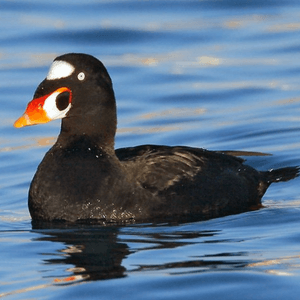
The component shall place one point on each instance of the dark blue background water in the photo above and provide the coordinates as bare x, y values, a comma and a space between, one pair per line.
223, 75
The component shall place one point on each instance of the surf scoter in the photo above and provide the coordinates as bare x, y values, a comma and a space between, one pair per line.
82, 177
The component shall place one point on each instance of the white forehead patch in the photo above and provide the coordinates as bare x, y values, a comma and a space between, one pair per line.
60, 69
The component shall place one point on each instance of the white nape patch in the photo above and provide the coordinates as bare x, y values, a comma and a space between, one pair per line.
60, 69
51, 110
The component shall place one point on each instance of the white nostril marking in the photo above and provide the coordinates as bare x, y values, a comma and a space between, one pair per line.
51, 109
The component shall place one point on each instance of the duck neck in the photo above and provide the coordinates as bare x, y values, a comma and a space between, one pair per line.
90, 130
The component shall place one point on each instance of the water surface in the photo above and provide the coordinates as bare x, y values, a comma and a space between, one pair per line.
222, 75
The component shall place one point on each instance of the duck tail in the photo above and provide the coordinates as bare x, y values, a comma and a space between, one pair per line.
282, 174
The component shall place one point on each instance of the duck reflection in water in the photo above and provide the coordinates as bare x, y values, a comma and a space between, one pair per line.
97, 253
94, 252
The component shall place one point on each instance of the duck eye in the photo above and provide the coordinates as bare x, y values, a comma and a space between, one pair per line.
62, 101
81, 76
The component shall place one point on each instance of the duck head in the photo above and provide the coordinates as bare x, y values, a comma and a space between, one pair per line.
78, 90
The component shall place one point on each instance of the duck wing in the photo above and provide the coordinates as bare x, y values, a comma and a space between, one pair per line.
157, 168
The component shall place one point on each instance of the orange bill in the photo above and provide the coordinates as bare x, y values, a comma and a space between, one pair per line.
34, 113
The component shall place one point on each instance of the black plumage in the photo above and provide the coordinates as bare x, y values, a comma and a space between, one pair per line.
82, 177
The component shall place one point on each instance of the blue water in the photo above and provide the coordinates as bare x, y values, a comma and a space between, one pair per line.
223, 75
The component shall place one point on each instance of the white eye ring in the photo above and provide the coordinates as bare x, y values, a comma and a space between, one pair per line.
81, 76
